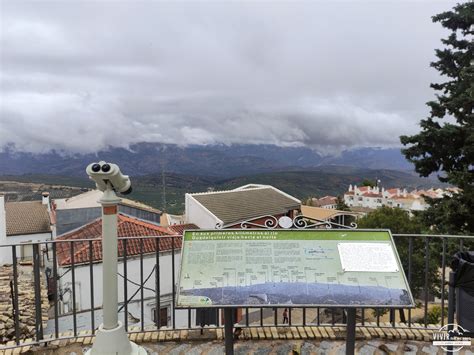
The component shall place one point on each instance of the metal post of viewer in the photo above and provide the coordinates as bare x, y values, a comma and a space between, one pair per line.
111, 337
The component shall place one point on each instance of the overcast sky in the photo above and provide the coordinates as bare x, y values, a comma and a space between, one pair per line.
83, 75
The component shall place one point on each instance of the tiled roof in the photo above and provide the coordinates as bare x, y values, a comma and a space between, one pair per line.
324, 214
180, 228
127, 227
362, 209
324, 201
239, 205
90, 199
30, 217
371, 194
139, 205
26, 302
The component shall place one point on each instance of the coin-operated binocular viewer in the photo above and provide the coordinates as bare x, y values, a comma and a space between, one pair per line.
111, 337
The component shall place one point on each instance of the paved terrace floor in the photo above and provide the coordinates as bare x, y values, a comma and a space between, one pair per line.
258, 341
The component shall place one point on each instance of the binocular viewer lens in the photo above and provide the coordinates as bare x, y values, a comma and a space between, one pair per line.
96, 168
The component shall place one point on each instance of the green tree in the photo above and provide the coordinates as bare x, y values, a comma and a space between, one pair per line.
395, 219
445, 144
368, 182
400, 222
308, 202
341, 205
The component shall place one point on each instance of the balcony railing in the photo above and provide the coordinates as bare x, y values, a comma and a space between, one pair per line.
66, 294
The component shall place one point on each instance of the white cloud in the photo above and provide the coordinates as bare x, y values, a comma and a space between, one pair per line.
85, 75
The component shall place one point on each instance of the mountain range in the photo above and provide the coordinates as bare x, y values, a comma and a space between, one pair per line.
224, 161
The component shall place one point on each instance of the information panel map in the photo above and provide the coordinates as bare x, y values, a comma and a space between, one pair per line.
291, 267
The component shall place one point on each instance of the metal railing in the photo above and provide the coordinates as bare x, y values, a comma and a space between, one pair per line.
148, 275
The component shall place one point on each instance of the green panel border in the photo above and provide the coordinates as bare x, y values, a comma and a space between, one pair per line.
369, 235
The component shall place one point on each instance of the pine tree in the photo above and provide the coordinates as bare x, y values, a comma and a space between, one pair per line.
445, 144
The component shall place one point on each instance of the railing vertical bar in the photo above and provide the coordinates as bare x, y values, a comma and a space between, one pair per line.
443, 281
410, 256
261, 317
318, 316
73, 280
189, 317
426, 293
304, 316
377, 310
289, 316
157, 284
142, 286
37, 286
15, 296
173, 282
247, 316
55, 283
362, 311
91, 283
275, 316
125, 284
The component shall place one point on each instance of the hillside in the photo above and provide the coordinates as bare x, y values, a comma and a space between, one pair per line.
328, 180
320, 181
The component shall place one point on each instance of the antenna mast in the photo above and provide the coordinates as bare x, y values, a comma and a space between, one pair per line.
163, 182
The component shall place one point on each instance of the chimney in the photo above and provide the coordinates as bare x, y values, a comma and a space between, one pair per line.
45, 200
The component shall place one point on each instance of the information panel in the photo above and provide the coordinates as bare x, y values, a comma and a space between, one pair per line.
291, 267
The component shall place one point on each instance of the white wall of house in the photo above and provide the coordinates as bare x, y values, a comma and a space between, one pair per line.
199, 215
5, 255
23, 252
419, 205
26, 251
83, 287
356, 198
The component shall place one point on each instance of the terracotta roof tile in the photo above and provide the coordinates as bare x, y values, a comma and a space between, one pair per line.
324, 201
371, 194
127, 227
180, 228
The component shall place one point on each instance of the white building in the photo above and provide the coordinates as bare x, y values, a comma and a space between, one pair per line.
229, 208
328, 202
128, 227
365, 196
24, 222
375, 197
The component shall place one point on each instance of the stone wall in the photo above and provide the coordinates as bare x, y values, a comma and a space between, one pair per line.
26, 302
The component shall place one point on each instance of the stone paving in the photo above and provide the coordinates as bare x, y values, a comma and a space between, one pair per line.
254, 340
274, 347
